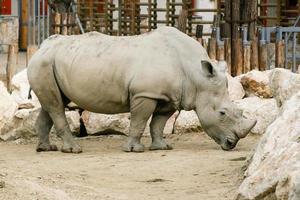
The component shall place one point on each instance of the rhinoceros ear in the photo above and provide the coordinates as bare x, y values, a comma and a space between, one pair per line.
207, 68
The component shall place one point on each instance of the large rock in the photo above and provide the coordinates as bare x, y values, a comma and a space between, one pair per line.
284, 84
20, 91
22, 125
274, 172
105, 124
256, 83
186, 122
97, 124
235, 88
264, 111
8, 107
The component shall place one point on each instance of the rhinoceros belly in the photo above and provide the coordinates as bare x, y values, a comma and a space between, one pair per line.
93, 84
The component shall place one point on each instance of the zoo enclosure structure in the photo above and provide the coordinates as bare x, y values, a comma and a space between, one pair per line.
234, 36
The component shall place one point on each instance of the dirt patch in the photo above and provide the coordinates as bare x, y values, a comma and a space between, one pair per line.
196, 169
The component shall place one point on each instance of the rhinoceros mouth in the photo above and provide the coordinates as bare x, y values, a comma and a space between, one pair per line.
228, 144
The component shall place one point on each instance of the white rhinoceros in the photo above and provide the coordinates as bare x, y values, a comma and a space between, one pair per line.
154, 74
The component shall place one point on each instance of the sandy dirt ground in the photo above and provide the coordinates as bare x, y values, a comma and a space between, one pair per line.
197, 169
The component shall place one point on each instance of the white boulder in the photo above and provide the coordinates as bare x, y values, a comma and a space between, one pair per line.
235, 88
20, 91
103, 124
264, 111
8, 107
256, 83
284, 84
186, 122
274, 172
21, 125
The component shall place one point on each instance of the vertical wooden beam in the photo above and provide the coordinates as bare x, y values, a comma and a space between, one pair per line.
279, 54
11, 65
57, 23
246, 58
24, 24
236, 52
228, 18
263, 57
250, 13
71, 21
227, 47
64, 23
278, 13
212, 43
220, 53
199, 33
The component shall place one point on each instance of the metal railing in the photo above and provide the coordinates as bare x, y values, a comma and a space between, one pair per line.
290, 43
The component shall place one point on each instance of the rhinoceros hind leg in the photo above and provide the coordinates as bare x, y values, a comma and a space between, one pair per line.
44, 85
43, 125
141, 109
157, 125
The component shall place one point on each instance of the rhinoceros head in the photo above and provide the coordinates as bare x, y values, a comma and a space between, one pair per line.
218, 115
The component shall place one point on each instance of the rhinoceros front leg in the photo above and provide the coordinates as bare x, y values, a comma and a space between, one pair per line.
43, 125
157, 126
141, 109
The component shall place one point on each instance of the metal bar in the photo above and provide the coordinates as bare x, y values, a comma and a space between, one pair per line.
34, 23
43, 28
120, 17
77, 18
39, 24
48, 21
286, 44
220, 42
294, 52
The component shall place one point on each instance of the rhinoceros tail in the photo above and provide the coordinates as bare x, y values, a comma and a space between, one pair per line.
29, 93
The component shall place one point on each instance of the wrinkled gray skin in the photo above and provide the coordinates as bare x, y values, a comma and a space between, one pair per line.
152, 74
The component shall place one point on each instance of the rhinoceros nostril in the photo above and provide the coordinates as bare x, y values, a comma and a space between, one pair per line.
229, 143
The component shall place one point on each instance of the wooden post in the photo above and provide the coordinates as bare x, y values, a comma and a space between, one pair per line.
204, 43
71, 21
182, 19
236, 59
11, 65
238, 56
199, 33
220, 53
64, 22
24, 24
279, 54
263, 57
227, 46
250, 13
246, 58
212, 43
254, 53
228, 18
31, 49
57, 23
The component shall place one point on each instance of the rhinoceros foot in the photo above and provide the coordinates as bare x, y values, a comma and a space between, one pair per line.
160, 145
46, 147
133, 146
74, 148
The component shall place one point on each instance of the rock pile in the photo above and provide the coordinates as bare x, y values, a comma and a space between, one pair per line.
274, 170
